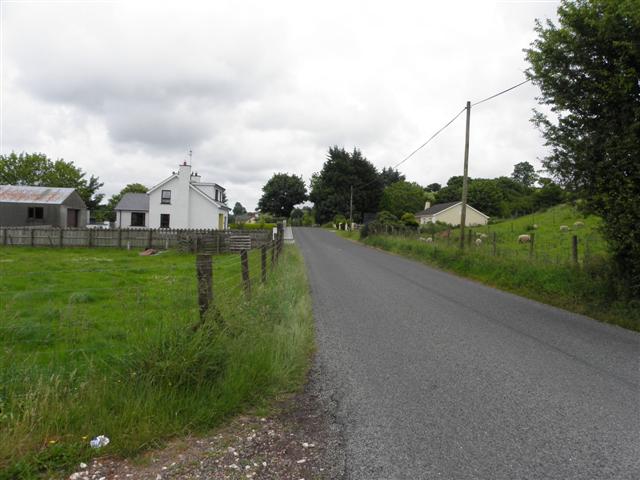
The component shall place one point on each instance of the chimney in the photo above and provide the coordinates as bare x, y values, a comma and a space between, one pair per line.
427, 205
195, 177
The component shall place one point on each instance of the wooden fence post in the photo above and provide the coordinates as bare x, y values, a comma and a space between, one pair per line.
263, 262
531, 245
574, 249
273, 253
90, 241
246, 282
61, 238
204, 273
4, 236
119, 238
150, 240
32, 232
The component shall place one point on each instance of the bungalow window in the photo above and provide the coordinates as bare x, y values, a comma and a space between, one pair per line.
166, 197
217, 192
35, 213
164, 220
137, 219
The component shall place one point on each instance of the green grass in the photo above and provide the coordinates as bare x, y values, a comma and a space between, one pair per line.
100, 342
545, 273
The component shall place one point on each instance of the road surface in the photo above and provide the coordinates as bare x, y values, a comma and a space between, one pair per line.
435, 376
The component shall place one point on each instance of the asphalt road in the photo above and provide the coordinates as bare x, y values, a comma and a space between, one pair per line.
433, 376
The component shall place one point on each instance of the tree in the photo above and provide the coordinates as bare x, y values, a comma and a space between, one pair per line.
525, 174
390, 175
433, 187
587, 68
402, 197
281, 193
109, 211
38, 170
238, 209
331, 187
223, 198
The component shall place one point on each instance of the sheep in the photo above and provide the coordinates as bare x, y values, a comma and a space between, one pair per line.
429, 239
524, 238
578, 224
535, 226
478, 242
484, 235
564, 228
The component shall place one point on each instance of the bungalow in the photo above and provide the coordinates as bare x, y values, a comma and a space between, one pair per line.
22, 205
132, 211
451, 213
183, 201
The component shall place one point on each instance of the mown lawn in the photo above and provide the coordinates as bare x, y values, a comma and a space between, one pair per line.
100, 341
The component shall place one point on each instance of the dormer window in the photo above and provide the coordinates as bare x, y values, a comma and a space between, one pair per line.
217, 194
166, 197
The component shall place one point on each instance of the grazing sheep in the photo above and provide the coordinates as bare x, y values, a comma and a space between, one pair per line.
535, 226
564, 228
578, 224
429, 239
484, 235
478, 242
524, 238
422, 239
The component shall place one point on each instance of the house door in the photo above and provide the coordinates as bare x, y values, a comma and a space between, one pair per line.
72, 218
220, 221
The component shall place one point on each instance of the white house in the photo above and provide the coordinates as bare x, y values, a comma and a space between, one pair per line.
451, 213
132, 211
184, 201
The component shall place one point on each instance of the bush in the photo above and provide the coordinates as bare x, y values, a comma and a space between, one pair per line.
252, 226
409, 219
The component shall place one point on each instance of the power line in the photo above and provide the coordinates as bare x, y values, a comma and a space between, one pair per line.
500, 93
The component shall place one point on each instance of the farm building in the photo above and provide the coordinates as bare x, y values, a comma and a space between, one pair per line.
450, 213
132, 211
22, 205
184, 201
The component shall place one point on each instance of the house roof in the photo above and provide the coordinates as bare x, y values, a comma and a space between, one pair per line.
441, 207
134, 201
437, 208
208, 197
29, 194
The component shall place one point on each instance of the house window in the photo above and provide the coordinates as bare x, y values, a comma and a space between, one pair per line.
217, 193
166, 197
164, 220
137, 219
35, 213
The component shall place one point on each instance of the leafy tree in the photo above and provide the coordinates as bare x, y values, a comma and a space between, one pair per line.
587, 68
238, 209
433, 187
109, 212
223, 199
281, 193
389, 175
525, 174
409, 220
549, 194
331, 187
402, 197
38, 170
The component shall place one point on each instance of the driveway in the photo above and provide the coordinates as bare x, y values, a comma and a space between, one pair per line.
429, 375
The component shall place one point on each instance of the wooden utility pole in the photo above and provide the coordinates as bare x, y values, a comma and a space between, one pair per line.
351, 208
465, 178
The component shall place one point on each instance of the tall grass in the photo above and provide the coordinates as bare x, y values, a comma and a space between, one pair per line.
592, 290
153, 377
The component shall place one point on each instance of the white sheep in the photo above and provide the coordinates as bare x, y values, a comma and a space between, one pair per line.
478, 242
429, 239
578, 224
564, 228
524, 238
484, 235
535, 226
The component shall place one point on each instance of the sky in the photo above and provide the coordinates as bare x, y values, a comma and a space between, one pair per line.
125, 89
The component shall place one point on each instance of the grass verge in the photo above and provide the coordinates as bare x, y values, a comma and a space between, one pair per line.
590, 290
106, 348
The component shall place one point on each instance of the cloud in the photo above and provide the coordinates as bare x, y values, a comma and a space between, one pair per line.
126, 88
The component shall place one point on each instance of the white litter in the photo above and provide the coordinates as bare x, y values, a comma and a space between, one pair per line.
99, 441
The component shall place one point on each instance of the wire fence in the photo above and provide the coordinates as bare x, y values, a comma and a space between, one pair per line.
579, 248
70, 313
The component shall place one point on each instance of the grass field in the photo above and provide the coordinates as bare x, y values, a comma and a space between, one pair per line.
99, 341
546, 274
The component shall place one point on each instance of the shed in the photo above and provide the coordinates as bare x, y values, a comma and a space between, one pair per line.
451, 213
23, 205
132, 211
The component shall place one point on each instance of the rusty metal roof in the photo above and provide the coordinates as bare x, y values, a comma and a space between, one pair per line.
28, 194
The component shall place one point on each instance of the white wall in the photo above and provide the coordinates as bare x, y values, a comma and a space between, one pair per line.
123, 219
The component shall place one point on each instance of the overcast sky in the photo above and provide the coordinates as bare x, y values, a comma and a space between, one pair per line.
125, 89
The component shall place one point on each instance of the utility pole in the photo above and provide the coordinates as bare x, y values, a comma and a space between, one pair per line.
465, 179
351, 209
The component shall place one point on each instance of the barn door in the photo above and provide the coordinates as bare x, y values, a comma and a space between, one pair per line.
72, 218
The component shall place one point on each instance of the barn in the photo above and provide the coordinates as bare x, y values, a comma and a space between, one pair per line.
27, 206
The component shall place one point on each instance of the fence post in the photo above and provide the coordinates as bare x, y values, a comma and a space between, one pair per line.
273, 252
574, 249
4, 236
204, 273
150, 238
32, 232
494, 244
119, 238
246, 282
90, 241
263, 262
531, 247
